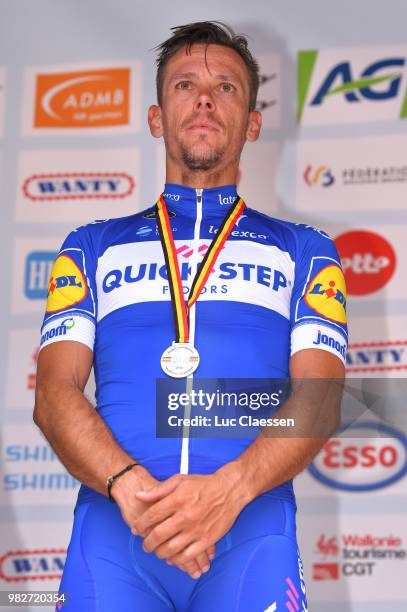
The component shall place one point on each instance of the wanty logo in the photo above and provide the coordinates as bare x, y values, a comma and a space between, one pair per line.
376, 357
322, 176
93, 98
363, 462
42, 564
368, 261
325, 76
78, 186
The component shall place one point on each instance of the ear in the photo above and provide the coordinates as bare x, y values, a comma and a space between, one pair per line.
253, 126
155, 121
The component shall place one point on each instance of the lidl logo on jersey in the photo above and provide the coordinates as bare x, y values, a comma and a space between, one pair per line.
67, 285
38, 266
352, 85
324, 295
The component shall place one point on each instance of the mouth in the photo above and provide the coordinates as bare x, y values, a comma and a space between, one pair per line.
205, 127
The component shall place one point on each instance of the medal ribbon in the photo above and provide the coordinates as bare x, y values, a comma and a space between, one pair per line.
180, 306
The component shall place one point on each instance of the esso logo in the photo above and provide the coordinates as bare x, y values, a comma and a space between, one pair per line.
362, 463
368, 261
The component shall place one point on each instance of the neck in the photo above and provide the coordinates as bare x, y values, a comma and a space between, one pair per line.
201, 179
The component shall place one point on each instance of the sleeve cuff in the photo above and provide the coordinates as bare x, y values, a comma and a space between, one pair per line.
76, 328
316, 335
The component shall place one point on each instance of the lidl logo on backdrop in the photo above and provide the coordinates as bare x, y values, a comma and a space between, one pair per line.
352, 85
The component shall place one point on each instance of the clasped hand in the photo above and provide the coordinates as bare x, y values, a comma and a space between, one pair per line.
186, 515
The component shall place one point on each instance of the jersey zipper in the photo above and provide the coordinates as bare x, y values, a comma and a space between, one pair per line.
184, 464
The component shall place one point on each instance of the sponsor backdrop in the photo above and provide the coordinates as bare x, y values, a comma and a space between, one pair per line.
74, 147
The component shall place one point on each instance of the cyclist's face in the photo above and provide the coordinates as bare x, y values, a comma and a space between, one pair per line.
205, 116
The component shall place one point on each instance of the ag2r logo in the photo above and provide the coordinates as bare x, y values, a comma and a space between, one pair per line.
336, 85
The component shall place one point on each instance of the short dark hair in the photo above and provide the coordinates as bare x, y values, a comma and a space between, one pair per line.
207, 33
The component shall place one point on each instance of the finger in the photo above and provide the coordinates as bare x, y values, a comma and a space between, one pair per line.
163, 534
195, 567
158, 491
190, 552
211, 552
202, 561
154, 516
192, 567
173, 546
200, 565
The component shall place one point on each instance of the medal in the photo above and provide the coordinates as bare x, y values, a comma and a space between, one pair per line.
181, 358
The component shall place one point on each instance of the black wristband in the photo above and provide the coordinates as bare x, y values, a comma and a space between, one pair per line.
111, 480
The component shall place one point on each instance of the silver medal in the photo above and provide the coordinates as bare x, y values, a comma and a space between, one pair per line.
180, 359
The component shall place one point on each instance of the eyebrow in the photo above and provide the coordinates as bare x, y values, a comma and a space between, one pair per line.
189, 75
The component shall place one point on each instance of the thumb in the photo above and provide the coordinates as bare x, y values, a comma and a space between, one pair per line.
159, 491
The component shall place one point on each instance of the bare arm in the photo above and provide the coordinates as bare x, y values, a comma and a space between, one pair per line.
271, 461
77, 433
82, 440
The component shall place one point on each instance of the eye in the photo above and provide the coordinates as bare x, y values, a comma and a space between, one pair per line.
227, 87
183, 85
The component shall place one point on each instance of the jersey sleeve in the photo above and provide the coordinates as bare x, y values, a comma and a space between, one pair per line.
70, 312
318, 306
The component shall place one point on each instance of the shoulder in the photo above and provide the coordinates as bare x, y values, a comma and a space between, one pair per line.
97, 236
296, 237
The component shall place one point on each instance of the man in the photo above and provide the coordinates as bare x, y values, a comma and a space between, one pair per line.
257, 307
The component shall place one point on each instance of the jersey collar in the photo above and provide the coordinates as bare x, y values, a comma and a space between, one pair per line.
184, 199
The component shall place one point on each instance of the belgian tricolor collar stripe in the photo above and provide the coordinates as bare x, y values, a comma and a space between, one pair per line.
180, 307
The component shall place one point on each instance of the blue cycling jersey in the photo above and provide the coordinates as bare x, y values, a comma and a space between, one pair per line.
276, 288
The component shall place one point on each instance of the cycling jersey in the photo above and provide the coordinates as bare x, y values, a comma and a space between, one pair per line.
276, 288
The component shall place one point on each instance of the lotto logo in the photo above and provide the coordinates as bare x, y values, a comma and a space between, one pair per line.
368, 261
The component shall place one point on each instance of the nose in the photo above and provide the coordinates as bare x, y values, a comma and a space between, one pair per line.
204, 101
